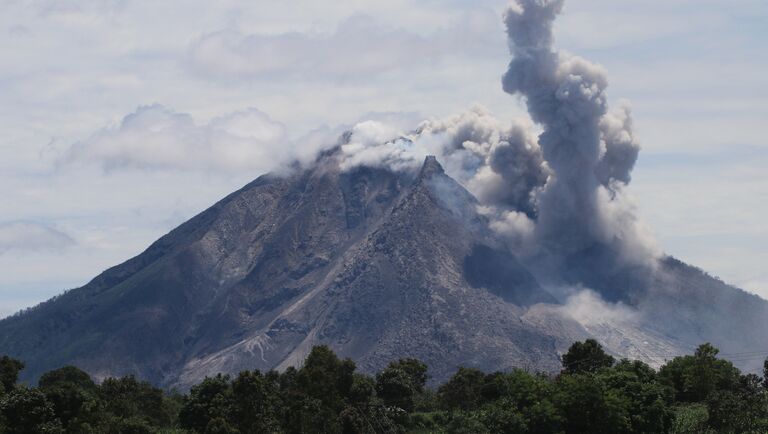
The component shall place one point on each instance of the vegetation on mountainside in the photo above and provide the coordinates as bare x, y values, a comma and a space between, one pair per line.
593, 394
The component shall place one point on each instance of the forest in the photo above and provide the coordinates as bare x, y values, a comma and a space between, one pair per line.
593, 393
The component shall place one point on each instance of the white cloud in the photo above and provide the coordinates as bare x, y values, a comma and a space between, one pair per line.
156, 137
357, 50
70, 68
758, 285
31, 236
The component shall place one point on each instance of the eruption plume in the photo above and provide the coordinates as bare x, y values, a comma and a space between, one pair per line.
590, 151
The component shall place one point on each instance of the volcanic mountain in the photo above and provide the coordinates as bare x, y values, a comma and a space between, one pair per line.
378, 264
524, 243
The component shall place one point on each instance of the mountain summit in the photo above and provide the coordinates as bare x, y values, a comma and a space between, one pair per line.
375, 263
525, 242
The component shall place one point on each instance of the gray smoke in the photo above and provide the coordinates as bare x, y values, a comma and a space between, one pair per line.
520, 164
590, 151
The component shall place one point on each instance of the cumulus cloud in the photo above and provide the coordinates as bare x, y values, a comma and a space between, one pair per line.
156, 137
31, 236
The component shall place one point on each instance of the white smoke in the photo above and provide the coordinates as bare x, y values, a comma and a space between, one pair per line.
500, 164
589, 309
557, 193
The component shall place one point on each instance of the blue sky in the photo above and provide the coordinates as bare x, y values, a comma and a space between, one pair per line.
236, 86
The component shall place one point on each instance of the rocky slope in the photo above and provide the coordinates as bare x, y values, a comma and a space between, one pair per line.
378, 265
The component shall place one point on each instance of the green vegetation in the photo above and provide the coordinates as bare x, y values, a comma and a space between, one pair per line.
593, 394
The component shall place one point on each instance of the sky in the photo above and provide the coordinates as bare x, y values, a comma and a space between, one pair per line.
120, 119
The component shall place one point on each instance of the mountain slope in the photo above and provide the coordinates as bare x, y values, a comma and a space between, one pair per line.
377, 264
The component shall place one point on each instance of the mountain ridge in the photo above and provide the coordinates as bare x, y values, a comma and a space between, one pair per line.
377, 264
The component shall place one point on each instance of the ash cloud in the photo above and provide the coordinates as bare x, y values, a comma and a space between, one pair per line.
553, 186
590, 151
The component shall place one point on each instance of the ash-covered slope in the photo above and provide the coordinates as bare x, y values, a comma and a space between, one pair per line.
379, 264
403, 290
375, 263
379, 259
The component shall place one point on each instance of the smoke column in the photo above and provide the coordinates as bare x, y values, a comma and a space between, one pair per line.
590, 151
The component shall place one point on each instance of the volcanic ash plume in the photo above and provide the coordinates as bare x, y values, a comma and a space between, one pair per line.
590, 150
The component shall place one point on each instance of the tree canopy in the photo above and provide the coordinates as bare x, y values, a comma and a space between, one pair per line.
594, 393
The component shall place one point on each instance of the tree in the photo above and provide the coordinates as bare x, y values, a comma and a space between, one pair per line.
647, 402
416, 371
503, 416
362, 390
324, 376
26, 410
694, 377
9, 372
210, 399
319, 392
691, 419
530, 395
463, 390
131, 425
765, 374
220, 425
128, 398
587, 356
399, 383
74, 397
257, 404
395, 387
743, 410
589, 407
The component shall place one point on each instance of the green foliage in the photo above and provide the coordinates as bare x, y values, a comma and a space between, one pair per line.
324, 376
416, 371
401, 383
129, 399
694, 377
593, 394
691, 419
319, 392
74, 397
589, 406
587, 356
209, 400
503, 416
362, 390
257, 404
9, 372
219, 425
645, 401
395, 387
463, 390
27, 411
741, 410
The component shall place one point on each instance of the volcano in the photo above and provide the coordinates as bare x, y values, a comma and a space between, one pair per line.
377, 264
460, 243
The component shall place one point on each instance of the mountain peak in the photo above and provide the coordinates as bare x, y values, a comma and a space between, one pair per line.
431, 167
373, 263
